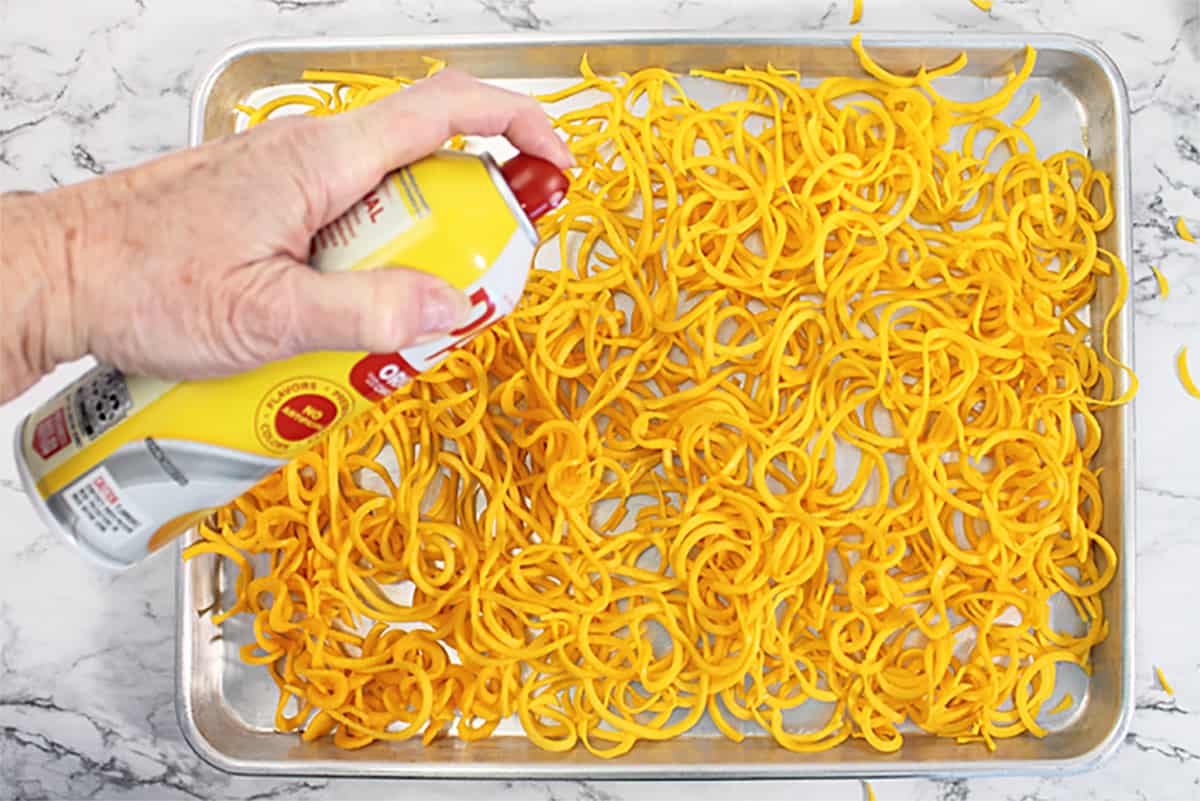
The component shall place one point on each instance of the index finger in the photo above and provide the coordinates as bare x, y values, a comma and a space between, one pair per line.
361, 146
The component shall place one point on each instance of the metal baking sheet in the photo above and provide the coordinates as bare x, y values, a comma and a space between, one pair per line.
226, 708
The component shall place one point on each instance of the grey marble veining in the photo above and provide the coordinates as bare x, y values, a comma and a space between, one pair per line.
86, 685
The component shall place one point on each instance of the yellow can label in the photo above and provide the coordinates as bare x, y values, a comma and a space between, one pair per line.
121, 463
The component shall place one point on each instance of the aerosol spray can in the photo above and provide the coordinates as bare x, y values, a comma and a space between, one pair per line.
122, 464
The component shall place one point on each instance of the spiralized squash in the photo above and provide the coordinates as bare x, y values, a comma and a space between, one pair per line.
806, 417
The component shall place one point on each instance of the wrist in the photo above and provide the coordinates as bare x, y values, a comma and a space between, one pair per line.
40, 238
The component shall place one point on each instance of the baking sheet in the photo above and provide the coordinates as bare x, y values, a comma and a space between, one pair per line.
226, 708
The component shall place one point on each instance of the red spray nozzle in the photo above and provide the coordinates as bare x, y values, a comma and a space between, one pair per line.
537, 184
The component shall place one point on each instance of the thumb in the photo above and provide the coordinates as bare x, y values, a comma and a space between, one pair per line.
378, 310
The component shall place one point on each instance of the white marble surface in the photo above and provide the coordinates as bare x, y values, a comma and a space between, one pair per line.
86, 686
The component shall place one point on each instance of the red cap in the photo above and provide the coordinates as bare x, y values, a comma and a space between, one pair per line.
538, 185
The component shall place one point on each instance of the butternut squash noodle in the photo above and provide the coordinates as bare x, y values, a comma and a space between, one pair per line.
1164, 288
1182, 229
806, 417
1162, 681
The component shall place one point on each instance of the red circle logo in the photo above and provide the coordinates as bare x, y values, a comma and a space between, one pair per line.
302, 416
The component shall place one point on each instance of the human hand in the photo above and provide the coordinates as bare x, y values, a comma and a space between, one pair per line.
193, 266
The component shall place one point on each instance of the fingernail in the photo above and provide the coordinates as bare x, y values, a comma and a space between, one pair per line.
444, 308
565, 159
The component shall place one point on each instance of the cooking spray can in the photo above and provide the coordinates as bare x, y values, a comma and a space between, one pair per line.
121, 465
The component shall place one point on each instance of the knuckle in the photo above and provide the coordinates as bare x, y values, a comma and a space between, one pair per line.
296, 146
451, 79
283, 315
262, 320
285, 136
393, 322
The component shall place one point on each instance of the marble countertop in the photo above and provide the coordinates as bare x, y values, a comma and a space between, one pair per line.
86, 660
